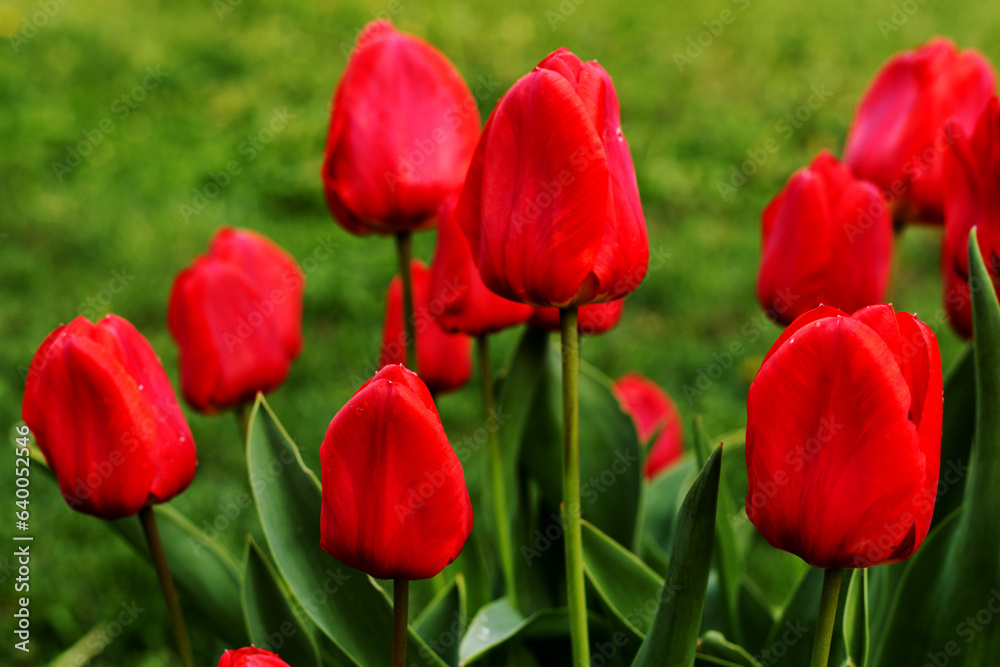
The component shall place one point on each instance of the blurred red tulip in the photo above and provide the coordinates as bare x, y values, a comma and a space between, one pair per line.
251, 657
827, 239
654, 413
395, 504
844, 437
402, 131
444, 359
591, 320
550, 206
107, 420
972, 199
463, 304
236, 315
898, 135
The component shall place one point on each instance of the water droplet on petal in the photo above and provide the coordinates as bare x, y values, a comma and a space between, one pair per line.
140, 387
791, 340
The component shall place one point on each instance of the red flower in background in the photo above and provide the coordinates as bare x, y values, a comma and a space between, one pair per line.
251, 657
466, 305
592, 320
402, 131
654, 413
236, 316
444, 359
827, 239
395, 504
972, 199
898, 137
107, 420
550, 206
844, 437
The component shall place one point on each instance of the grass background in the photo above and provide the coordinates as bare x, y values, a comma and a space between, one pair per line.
230, 64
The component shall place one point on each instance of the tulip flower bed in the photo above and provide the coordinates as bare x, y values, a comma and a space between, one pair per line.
502, 454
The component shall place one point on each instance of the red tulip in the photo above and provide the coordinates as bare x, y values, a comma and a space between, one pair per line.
591, 320
899, 135
460, 302
550, 206
972, 199
844, 437
251, 657
107, 420
654, 413
827, 239
402, 131
236, 315
444, 359
395, 504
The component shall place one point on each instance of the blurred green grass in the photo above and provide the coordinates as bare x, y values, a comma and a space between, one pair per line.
227, 71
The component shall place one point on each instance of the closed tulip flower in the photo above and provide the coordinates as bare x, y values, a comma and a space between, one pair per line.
236, 315
444, 359
402, 131
107, 420
827, 239
654, 414
550, 206
251, 657
843, 438
972, 199
898, 137
464, 303
395, 504
592, 320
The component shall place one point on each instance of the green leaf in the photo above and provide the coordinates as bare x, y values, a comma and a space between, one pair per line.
610, 469
673, 636
727, 559
499, 622
663, 498
955, 576
442, 622
715, 649
856, 638
629, 588
957, 433
271, 622
289, 500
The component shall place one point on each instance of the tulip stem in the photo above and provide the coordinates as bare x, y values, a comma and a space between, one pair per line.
827, 615
148, 520
576, 593
400, 603
496, 473
404, 247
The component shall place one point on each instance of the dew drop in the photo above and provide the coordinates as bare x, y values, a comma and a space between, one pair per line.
140, 387
791, 340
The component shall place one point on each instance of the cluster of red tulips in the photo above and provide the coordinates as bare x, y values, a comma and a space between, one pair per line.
539, 222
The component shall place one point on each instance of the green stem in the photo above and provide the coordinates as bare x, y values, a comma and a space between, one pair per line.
148, 520
404, 247
827, 616
243, 421
400, 603
576, 593
496, 473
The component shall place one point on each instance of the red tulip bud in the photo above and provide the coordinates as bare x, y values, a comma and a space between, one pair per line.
972, 199
844, 437
236, 315
550, 206
443, 359
654, 413
899, 137
402, 131
251, 657
466, 304
395, 504
827, 239
592, 320
107, 420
